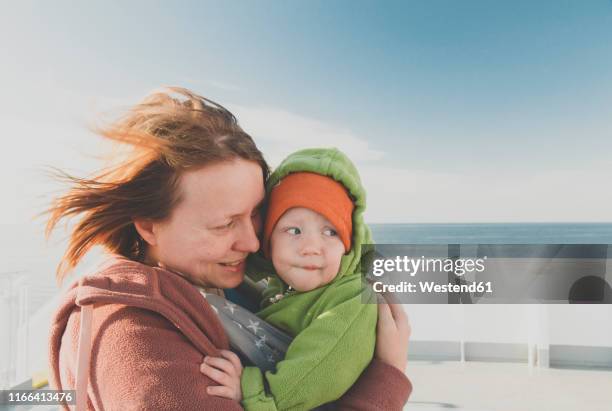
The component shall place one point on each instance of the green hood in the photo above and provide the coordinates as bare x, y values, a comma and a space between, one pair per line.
333, 163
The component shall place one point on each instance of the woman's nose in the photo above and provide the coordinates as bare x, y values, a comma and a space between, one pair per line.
247, 240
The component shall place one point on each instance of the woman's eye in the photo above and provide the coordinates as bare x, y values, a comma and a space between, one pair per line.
330, 232
224, 226
294, 231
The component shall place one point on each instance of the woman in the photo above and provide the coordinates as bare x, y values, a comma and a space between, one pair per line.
181, 212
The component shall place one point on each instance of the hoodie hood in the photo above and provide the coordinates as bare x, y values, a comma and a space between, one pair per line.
333, 163
134, 284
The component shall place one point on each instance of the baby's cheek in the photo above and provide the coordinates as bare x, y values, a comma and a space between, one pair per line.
280, 265
331, 275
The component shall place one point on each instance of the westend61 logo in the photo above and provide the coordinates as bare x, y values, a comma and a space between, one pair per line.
411, 266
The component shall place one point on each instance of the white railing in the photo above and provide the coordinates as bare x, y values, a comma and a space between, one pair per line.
14, 319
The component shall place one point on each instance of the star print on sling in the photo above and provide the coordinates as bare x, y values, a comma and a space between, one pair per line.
230, 307
259, 343
254, 325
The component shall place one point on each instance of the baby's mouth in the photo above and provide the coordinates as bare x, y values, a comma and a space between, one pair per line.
310, 267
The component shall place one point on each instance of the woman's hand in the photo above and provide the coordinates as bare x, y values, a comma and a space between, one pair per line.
392, 334
225, 370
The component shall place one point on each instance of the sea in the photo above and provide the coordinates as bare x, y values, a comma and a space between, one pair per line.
493, 233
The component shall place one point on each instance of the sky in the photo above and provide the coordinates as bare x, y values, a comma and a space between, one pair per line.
453, 111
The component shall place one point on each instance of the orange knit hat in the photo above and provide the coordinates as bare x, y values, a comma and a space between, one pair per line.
319, 193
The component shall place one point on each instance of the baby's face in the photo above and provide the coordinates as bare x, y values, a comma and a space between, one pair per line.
305, 248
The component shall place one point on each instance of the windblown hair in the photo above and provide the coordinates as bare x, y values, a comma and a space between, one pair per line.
168, 132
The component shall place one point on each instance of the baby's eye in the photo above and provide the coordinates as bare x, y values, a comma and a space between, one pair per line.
294, 231
330, 232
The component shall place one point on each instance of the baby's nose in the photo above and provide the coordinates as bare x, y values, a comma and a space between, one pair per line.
311, 245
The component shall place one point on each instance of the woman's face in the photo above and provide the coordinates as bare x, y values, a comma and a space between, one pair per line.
214, 226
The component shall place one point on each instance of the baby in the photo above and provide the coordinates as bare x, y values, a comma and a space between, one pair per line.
318, 330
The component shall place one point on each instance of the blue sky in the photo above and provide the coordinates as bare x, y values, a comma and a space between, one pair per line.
500, 109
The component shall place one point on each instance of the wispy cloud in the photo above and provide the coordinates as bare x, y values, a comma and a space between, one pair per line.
400, 194
396, 193
280, 132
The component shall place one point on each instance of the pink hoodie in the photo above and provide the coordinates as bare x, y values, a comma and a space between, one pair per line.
134, 337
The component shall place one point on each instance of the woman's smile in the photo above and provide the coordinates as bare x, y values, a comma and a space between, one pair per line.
237, 266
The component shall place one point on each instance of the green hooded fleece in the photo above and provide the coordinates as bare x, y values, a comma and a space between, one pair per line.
333, 326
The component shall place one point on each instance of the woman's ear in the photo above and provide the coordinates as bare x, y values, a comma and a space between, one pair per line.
146, 229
